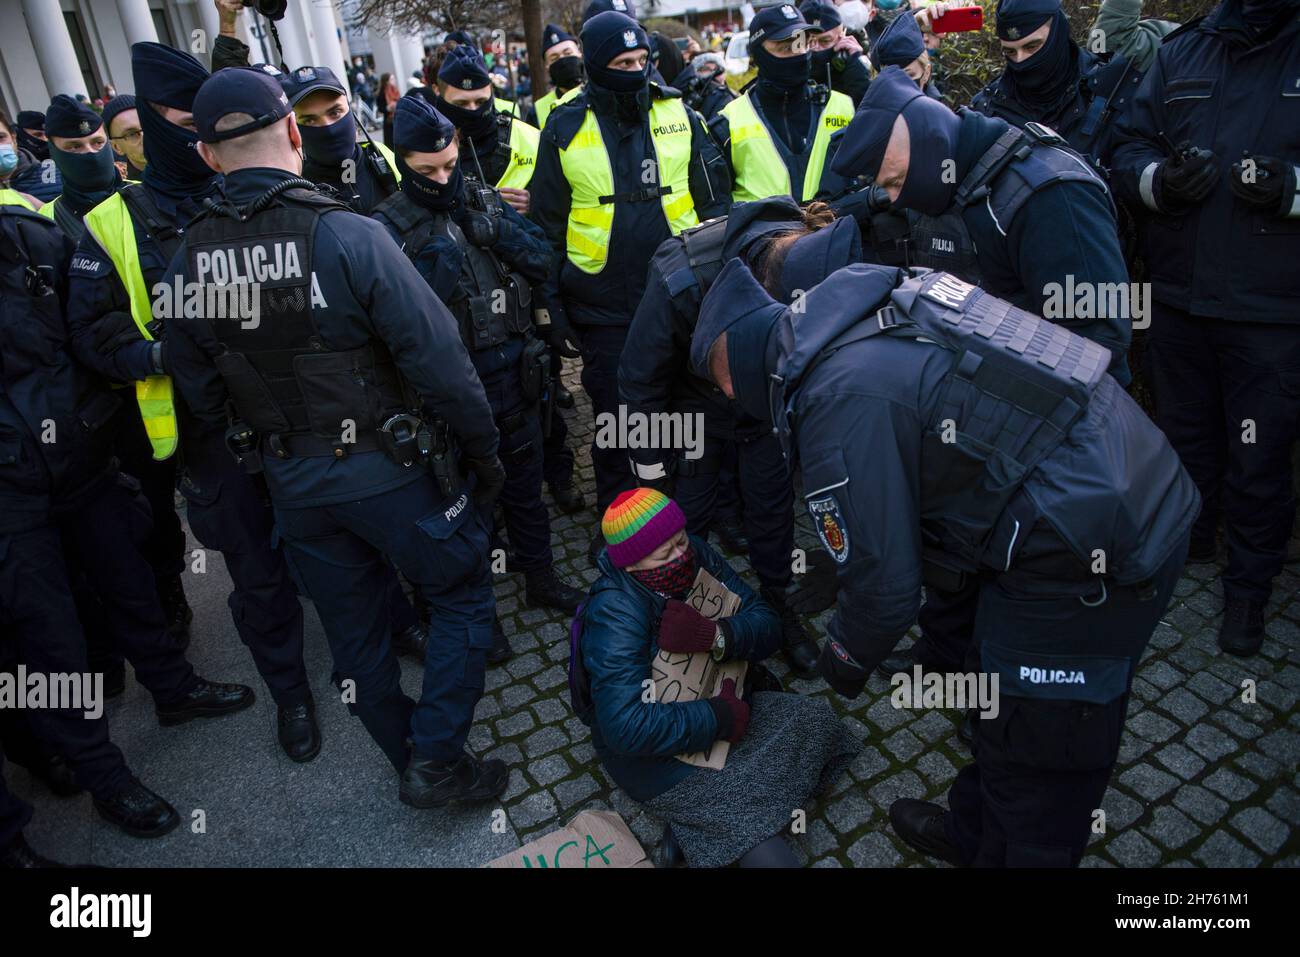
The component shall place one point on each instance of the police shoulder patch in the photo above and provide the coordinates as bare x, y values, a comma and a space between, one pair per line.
831, 527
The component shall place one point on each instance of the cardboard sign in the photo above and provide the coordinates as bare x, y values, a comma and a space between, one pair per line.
692, 677
593, 839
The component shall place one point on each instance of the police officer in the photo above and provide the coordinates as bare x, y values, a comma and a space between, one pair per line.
773, 236
562, 57
79, 148
1210, 161
621, 167
114, 290
836, 56
65, 506
356, 464
994, 444
1049, 79
36, 173
704, 85
777, 134
10, 161
1019, 214
903, 46
477, 254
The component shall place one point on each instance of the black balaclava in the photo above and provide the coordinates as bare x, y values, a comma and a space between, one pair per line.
781, 73
1047, 77
932, 131
88, 178
327, 147
465, 69
566, 73
31, 120
604, 37
170, 78
419, 128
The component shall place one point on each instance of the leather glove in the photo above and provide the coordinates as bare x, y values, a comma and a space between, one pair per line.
1264, 182
559, 335
490, 479
731, 712
682, 629
818, 587
114, 330
1187, 178
480, 228
845, 676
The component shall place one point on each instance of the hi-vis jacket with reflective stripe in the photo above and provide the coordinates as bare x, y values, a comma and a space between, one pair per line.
110, 225
756, 162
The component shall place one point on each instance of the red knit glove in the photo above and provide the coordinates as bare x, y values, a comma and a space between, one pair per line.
683, 629
731, 712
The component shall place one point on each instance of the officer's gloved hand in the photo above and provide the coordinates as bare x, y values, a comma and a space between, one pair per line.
114, 330
557, 333
490, 479
841, 671
1264, 182
1187, 178
479, 228
817, 588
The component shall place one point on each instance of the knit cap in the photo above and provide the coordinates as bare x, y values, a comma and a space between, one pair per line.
638, 522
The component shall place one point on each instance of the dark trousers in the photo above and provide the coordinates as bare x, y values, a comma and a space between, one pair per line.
102, 542
557, 457
527, 521
14, 811
164, 549
40, 621
440, 545
602, 346
1213, 381
228, 513
767, 495
1041, 766
947, 620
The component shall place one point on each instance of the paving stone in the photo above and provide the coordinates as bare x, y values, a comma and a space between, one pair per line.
936, 768
903, 745
1232, 786
550, 711
1212, 689
874, 850
826, 862
1285, 803
1256, 764
819, 839
544, 741
868, 764
509, 753
1183, 705
552, 677
571, 793
1151, 783
487, 707
884, 715
1221, 849
516, 695
524, 665
1180, 760
517, 723
905, 784
516, 785
1211, 743
1282, 746
934, 726
1162, 674
548, 770
1200, 804
849, 812
1238, 726
1261, 828
1121, 810
1170, 828
533, 810
1131, 749
1131, 849
1151, 726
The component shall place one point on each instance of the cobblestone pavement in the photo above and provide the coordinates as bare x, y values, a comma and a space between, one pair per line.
1204, 778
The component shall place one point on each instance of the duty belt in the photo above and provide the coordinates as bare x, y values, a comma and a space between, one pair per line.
294, 445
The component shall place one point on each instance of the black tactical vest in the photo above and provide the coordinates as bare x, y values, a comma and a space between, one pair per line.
491, 303
1016, 386
302, 397
1019, 164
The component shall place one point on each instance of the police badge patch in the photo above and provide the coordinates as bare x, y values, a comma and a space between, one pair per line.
629, 38
831, 527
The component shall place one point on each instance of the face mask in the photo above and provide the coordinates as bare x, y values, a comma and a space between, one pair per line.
933, 131
88, 175
432, 195
855, 15
672, 579
785, 72
174, 163
566, 72
1042, 79
888, 4
330, 145
476, 124
8, 159
38, 148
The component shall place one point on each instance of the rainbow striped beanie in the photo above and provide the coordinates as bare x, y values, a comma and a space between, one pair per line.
638, 522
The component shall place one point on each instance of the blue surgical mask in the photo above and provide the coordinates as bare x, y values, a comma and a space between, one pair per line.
8, 159
888, 4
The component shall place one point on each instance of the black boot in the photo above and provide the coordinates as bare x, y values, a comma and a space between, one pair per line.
175, 607
596, 546
428, 783
568, 499
1202, 551
545, 588
731, 534
19, 854
1242, 631
920, 825
412, 642
966, 730
208, 700
53, 771
138, 811
563, 397
298, 731
800, 650
499, 651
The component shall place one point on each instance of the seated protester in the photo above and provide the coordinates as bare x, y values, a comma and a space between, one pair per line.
787, 748
836, 55
902, 45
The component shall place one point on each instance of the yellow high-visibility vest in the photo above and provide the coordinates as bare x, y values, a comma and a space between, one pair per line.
47, 210
757, 165
587, 167
11, 197
508, 106
550, 101
389, 158
110, 224
523, 155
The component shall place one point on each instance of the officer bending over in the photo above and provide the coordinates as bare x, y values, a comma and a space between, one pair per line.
937, 427
479, 257
339, 390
